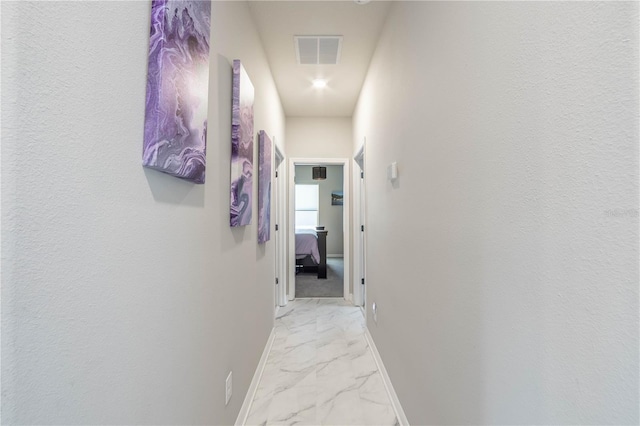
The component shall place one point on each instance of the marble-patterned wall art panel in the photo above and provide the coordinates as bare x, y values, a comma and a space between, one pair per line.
175, 127
241, 147
264, 187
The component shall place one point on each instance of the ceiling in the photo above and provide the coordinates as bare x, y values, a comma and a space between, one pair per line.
360, 25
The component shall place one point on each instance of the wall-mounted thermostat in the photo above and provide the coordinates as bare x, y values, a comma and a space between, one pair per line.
392, 171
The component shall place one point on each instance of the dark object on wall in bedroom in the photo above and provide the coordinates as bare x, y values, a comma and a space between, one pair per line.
319, 173
175, 122
336, 198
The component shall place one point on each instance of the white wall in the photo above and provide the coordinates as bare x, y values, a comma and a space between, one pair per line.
126, 297
329, 216
319, 137
504, 261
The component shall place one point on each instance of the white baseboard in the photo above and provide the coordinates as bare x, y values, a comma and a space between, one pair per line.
335, 255
395, 402
253, 387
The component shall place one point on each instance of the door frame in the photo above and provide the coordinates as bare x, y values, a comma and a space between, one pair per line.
346, 222
280, 179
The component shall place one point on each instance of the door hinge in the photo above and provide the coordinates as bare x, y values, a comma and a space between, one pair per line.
362, 281
362, 228
277, 227
276, 173
361, 175
277, 281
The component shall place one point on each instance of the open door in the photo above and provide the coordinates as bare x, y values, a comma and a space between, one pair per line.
280, 233
359, 284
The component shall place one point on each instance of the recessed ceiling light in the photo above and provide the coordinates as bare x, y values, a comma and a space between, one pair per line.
361, 1
319, 83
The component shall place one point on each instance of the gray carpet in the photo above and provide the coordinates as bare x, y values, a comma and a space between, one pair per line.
308, 284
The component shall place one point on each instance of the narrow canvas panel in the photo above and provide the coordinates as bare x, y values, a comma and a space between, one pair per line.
264, 187
241, 147
175, 127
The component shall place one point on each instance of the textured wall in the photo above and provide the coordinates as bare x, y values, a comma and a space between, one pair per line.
330, 216
504, 261
126, 297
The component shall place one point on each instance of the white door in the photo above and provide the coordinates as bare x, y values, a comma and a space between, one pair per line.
362, 283
276, 198
279, 199
360, 280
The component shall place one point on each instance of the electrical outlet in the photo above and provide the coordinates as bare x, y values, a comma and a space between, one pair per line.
374, 309
228, 387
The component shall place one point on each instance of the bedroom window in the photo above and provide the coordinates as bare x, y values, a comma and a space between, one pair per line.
307, 203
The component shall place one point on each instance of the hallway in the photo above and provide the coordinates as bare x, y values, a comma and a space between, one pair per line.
320, 370
490, 205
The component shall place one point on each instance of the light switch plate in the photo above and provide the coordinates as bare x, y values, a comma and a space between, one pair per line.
392, 171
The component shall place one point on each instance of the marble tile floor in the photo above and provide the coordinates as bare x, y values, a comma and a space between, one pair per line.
320, 370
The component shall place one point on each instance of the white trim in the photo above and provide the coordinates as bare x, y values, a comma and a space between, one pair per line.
346, 218
339, 256
395, 402
253, 387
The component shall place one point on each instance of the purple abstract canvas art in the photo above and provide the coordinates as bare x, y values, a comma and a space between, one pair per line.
241, 147
264, 187
175, 126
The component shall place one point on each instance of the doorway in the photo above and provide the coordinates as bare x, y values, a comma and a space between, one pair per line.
319, 203
319, 230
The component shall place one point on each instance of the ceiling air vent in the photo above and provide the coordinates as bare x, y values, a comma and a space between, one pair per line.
318, 50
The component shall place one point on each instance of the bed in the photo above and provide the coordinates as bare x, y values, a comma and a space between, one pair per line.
311, 251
